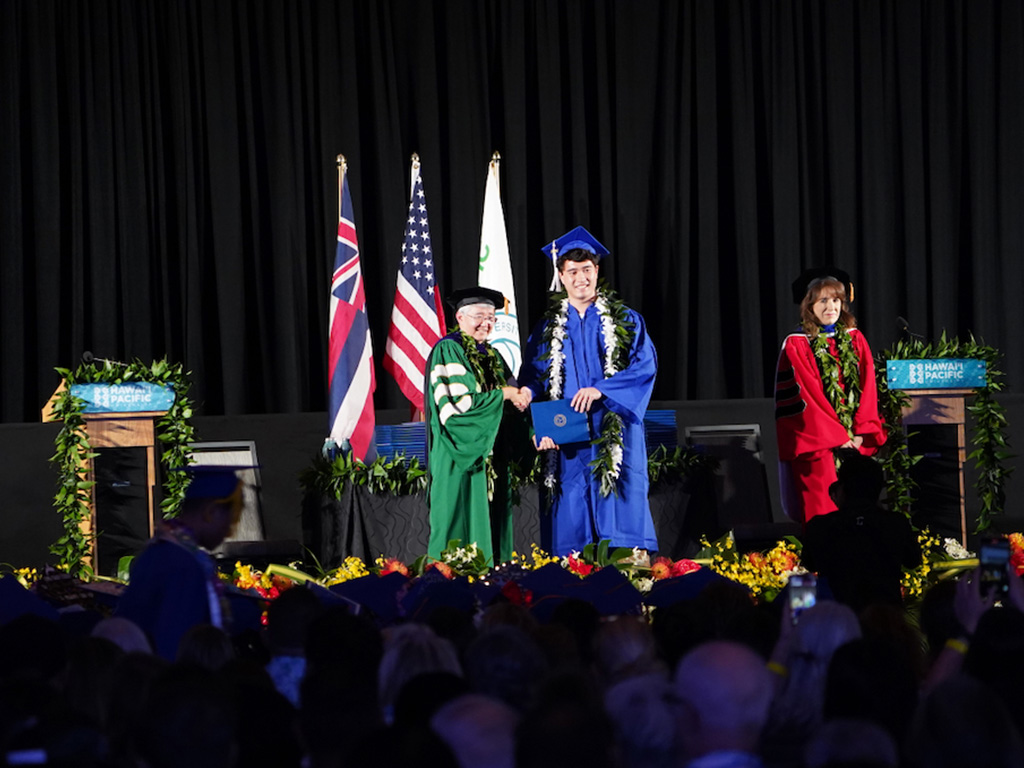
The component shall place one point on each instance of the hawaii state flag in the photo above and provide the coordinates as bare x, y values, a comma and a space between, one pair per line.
350, 360
496, 271
417, 319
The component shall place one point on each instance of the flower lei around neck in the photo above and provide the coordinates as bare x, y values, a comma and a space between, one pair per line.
490, 373
839, 372
486, 362
617, 333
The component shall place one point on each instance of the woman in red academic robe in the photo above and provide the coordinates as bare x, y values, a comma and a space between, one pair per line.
825, 393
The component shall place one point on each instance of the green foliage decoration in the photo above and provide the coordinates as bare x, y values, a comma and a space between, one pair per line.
394, 476
399, 476
73, 454
990, 447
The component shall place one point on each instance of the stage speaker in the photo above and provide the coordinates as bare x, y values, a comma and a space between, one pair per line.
122, 505
937, 474
741, 485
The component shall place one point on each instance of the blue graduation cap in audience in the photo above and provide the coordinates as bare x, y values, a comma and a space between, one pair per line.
212, 481
610, 591
432, 591
17, 601
670, 591
378, 594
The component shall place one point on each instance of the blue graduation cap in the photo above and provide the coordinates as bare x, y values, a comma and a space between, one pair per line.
680, 588
575, 239
212, 481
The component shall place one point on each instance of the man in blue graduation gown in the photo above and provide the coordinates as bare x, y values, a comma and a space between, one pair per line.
593, 351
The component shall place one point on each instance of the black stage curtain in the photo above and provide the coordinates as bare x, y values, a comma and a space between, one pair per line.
168, 182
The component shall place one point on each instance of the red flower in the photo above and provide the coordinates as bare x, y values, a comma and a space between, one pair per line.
281, 583
394, 565
443, 568
1017, 561
661, 568
683, 567
577, 566
516, 594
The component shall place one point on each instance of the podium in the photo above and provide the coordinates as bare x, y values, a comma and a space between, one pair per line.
938, 390
120, 424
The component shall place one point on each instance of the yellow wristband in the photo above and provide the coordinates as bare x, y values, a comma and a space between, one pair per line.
778, 669
957, 645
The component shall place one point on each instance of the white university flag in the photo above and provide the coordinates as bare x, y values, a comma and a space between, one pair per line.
496, 270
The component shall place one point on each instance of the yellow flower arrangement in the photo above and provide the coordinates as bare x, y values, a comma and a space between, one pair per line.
764, 574
916, 581
351, 568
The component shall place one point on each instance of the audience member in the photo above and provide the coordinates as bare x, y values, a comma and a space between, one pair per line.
480, 730
724, 692
174, 583
566, 726
411, 650
421, 696
288, 620
507, 664
624, 648
994, 657
205, 646
188, 722
962, 723
847, 742
872, 679
644, 723
862, 547
801, 662
124, 633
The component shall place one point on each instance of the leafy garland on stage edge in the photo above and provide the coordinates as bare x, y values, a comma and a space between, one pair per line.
73, 455
989, 440
396, 476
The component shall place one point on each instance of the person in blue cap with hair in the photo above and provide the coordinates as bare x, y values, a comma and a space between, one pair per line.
174, 584
594, 351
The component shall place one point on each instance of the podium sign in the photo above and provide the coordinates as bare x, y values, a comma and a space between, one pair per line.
129, 397
120, 426
938, 389
935, 373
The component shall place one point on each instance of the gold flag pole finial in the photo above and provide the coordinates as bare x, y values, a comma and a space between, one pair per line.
342, 168
495, 157
414, 171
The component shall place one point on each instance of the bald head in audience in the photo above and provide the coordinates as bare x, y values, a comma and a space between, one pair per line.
723, 690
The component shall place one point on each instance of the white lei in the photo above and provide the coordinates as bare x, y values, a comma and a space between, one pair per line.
611, 442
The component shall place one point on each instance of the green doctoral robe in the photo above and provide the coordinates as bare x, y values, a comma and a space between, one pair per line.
466, 413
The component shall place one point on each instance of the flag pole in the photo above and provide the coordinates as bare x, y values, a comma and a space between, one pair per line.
414, 171
342, 169
496, 169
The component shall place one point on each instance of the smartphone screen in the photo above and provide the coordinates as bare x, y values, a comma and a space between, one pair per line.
994, 556
803, 593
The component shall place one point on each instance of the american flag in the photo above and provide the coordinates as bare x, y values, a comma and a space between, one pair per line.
417, 319
350, 362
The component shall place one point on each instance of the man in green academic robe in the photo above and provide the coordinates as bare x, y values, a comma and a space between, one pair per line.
474, 426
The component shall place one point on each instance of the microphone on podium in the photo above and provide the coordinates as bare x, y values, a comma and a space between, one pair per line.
88, 358
904, 325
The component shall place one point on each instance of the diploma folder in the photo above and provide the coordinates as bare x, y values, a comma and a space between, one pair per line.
556, 419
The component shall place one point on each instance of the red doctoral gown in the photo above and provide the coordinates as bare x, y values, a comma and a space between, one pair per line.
808, 428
